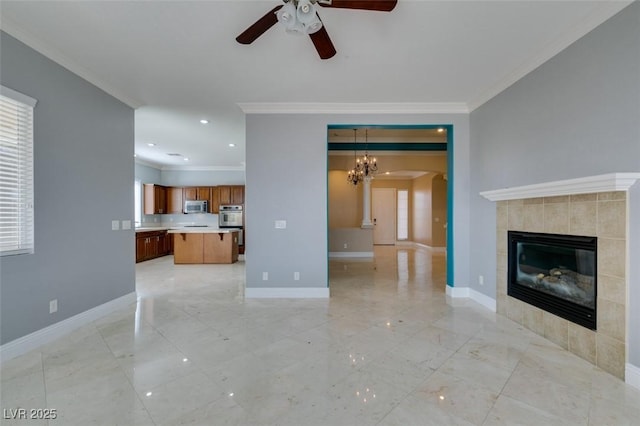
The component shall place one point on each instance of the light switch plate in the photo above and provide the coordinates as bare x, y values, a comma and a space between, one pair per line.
126, 224
281, 224
115, 225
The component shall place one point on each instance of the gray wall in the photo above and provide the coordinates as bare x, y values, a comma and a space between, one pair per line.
287, 179
83, 160
574, 116
203, 177
147, 174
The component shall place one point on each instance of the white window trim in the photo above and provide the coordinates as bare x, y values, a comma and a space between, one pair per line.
25, 242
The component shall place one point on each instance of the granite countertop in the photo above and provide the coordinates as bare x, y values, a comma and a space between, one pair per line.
152, 228
201, 230
176, 229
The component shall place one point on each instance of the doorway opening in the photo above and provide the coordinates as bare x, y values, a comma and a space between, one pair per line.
413, 160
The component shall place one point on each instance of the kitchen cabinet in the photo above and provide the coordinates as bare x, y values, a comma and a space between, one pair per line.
152, 244
237, 194
170, 200
214, 205
224, 194
203, 193
231, 194
155, 199
190, 193
214, 246
175, 202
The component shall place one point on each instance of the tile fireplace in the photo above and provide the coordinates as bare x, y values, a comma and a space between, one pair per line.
599, 209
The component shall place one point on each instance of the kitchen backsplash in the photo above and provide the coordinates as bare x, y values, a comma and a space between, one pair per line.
149, 220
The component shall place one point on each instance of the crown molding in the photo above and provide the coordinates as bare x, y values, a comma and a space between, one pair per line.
56, 56
205, 168
599, 15
354, 108
147, 163
584, 185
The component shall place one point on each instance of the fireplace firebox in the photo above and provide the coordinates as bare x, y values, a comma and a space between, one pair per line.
556, 273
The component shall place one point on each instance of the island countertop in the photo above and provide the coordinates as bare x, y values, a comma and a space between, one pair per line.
201, 230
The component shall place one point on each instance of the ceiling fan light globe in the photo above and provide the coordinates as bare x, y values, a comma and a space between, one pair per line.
314, 27
306, 12
287, 16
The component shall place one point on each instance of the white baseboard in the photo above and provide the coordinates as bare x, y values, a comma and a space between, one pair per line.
632, 375
476, 296
456, 292
287, 293
350, 254
48, 334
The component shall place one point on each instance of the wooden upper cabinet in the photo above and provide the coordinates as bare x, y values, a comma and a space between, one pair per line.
231, 194
190, 193
237, 194
170, 200
214, 204
225, 195
155, 199
174, 200
203, 193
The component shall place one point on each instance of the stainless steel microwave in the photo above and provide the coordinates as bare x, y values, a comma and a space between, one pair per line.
196, 206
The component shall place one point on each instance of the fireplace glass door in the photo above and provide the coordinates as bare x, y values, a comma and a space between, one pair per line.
556, 273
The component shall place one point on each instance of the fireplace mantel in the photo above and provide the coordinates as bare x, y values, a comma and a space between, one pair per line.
584, 185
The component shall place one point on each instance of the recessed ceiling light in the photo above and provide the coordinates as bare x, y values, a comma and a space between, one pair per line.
151, 144
203, 121
186, 159
232, 145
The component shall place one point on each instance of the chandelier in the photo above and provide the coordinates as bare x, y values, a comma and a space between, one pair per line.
299, 17
364, 167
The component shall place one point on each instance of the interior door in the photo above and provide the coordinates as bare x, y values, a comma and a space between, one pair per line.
383, 210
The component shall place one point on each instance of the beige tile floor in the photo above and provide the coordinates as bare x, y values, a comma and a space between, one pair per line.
385, 349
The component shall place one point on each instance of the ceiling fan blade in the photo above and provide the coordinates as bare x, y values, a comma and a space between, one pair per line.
259, 27
323, 43
379, 5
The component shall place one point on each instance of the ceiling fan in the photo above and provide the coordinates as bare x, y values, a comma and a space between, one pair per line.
301, 17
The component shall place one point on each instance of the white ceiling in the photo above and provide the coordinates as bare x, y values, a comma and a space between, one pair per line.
177, 62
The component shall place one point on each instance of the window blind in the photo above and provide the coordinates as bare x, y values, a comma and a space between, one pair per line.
16, 172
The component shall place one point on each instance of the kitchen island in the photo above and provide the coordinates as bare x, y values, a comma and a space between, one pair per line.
204, 245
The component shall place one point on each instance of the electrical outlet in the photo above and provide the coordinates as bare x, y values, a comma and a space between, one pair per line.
265, 276
296, 276
481, 279
53, 306
345, 245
